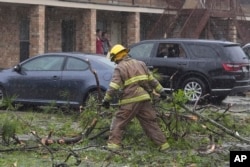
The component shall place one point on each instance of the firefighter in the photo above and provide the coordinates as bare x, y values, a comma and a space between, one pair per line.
133, 79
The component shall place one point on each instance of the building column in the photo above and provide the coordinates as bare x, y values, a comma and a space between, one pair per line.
133, 28
37, 30
232, 32
88, 30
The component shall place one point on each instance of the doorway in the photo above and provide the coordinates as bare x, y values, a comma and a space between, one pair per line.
68, 35
115, 33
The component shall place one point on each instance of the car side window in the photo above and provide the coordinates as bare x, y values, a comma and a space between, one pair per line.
141, 51
74, 64
170, 50
202, 51
45, 63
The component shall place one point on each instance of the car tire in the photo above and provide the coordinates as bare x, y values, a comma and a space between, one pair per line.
194, 88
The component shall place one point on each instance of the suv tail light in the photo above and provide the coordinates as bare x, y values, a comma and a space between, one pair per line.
235, 67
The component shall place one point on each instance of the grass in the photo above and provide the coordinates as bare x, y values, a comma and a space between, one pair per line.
139, 150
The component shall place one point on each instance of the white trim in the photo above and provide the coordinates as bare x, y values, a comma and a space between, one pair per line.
108, 7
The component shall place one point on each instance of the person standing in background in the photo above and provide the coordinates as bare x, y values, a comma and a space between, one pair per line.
99, 44
105, 43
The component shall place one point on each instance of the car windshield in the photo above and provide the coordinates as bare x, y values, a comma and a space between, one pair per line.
236, 54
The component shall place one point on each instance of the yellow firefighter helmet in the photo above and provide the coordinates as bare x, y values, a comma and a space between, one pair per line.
117, 52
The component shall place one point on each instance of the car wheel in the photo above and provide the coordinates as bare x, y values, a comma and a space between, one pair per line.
194, 88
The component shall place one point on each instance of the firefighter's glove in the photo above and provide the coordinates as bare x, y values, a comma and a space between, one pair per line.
105, 104
163, 95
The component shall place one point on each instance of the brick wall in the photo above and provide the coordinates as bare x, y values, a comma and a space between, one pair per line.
9, 38
84, 28
133, 28
89, 31
45, 30
53, 29
37, 29
45, 26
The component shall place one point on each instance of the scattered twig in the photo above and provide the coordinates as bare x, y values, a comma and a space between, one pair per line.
209, 149
228, 131
90, 127
197, 101
20, 149
17, 139
223, 114
77, 157
99, 134
39, 140
97, 84
208, 106
171, 80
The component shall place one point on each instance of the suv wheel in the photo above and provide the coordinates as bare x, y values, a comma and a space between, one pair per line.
194, 88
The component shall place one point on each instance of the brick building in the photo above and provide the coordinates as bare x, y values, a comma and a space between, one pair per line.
33, 27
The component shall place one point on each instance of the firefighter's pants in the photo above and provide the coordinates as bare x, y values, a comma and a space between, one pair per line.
146, 115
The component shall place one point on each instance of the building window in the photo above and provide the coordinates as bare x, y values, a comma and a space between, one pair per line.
24, 39
68, 35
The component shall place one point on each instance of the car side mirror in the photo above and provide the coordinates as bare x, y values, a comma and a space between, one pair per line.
17, 68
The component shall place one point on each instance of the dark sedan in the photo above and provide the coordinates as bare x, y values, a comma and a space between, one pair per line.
55, 78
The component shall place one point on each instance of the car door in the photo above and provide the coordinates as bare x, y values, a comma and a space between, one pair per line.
170, 61
38, 80
76, 78
159, 58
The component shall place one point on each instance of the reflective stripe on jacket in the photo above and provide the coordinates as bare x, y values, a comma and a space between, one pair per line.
134, 80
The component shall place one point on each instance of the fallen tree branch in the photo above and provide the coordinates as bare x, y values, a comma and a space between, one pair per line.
90, 127
97, 84
49, 140
25, 148
45, 146
228, 131
223, 114
65, 140
99, 134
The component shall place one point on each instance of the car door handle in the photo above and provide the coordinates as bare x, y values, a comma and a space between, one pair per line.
150, 67
55, 77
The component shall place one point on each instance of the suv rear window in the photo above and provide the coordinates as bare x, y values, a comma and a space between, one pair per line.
236, 54
202, 51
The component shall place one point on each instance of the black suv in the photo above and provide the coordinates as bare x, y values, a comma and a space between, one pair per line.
246, 49
199, 67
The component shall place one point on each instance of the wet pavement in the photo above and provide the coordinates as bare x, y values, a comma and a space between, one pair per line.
239, 103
